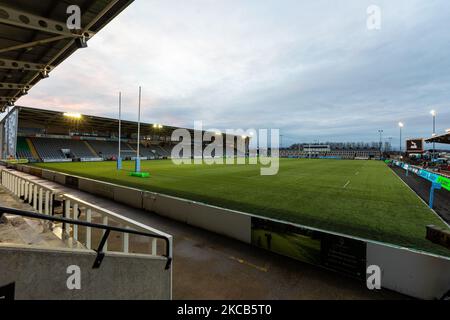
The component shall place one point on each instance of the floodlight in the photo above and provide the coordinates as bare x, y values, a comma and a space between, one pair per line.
72, 115
433, 112
44, 74
401, 125
81, 42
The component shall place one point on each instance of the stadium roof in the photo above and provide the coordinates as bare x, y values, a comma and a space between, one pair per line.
34, 38
60, 121
443, 138
86, 123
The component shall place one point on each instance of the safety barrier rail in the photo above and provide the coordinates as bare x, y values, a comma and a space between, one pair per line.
32, 192
107, 229
437, 181
45, 200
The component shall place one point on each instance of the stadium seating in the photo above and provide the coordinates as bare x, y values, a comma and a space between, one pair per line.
147, 152
342, 154
52, 149
105, 149
152, 151
23, 150
161, 151
109, 149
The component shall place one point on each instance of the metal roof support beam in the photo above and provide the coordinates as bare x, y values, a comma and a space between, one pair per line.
67, 46
21, 65
30, 21
12, 86
7, 99
32, 44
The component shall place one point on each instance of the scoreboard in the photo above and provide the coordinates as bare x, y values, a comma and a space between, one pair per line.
415, 146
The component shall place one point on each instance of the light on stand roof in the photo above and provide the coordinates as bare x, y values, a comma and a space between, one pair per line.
72, 115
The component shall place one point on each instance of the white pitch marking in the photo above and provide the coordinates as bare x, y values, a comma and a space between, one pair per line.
346, 184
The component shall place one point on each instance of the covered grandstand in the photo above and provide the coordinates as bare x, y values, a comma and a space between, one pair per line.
444, 161
35, 38
51, 136
442, 138
329, 152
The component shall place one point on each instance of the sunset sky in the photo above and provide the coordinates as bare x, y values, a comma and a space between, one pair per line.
310, 68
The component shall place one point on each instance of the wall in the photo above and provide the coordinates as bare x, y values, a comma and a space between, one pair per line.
120, 276
226, 222
411, 273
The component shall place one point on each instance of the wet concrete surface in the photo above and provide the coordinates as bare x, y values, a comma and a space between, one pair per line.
210, 266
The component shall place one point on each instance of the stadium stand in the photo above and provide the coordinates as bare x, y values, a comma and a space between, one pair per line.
50, 149
151, 151
52, 136
105, 149
23, 150
341, 154
147, 152
162, 152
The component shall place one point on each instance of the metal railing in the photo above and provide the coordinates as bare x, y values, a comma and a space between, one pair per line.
106, 228
45, 201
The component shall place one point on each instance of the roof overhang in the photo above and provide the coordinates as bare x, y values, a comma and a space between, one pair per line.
443, 138
29, 117
85, 123
35, 38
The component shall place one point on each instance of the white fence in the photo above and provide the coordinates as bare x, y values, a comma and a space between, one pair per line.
42, 199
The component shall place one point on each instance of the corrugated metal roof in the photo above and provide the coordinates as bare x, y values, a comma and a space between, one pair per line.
443, 138
17, 30
87, 123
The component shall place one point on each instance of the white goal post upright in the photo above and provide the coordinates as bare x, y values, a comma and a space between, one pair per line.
119, 156
138, 157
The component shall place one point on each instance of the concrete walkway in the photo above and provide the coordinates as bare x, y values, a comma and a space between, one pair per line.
210, 266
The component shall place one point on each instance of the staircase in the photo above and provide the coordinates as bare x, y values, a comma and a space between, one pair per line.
33, 149
23, 231
94, 153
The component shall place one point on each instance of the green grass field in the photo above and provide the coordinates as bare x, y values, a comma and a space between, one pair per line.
359, 198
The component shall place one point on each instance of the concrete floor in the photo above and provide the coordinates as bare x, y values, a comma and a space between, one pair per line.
210, 266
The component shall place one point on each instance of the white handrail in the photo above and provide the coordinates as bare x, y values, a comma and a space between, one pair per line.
36, 194
41, 197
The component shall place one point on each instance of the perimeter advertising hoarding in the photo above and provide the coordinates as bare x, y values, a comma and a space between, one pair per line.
414, 146
342, 254
430, 176
445, 182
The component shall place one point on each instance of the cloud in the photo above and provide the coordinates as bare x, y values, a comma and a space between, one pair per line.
310, 68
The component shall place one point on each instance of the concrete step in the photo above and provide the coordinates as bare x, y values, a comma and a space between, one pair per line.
20, 230
8, 234
30, 232
69, 241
